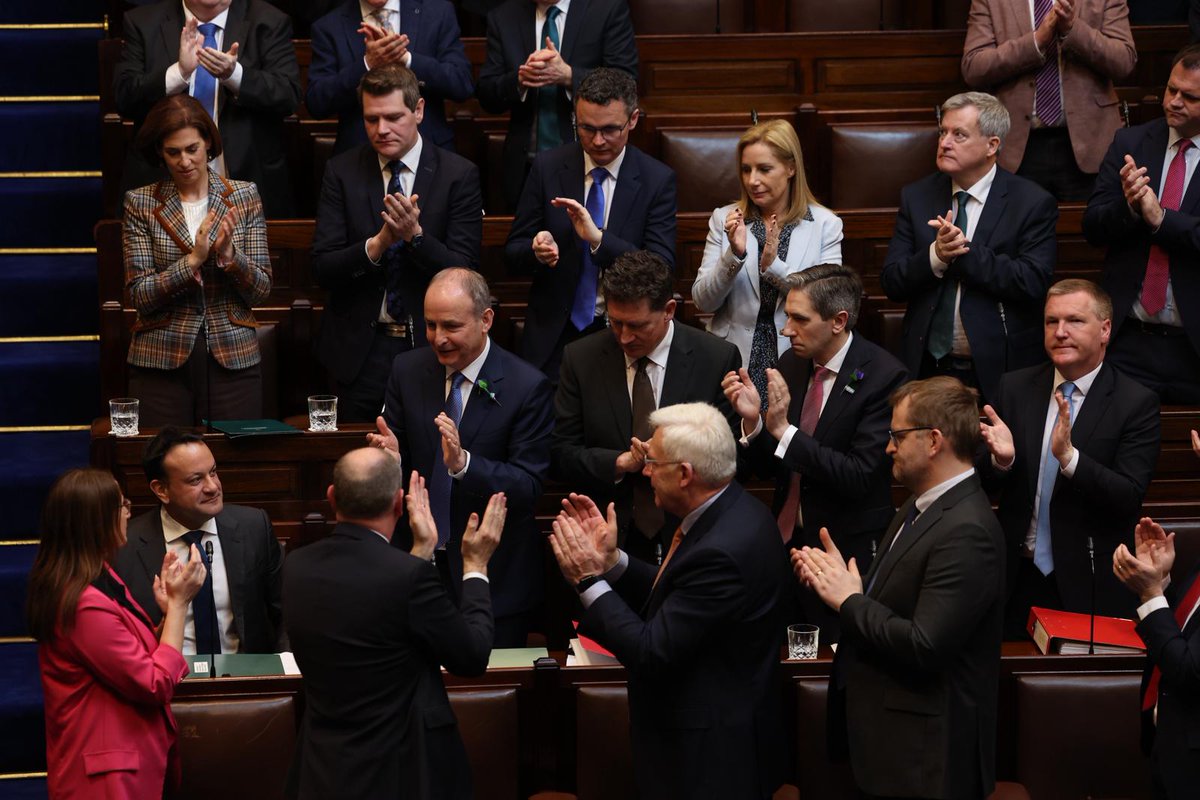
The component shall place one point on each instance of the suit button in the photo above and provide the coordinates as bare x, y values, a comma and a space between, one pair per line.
373, 323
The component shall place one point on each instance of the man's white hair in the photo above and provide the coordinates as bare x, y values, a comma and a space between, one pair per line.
699, 434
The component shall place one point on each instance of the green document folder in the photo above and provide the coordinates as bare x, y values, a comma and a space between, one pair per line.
235, 665
239, 428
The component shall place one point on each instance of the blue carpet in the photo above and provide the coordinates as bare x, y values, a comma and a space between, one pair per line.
29, 463
49, 212
54, 62
51, 295
50, 383
50, 11
23, 789
22, 719
39, 137
15, 563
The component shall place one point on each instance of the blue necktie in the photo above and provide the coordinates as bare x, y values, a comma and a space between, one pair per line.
1043, 556
204, 607
583, 311
440, 482
548, 134
941, 325
392, 259
205, 88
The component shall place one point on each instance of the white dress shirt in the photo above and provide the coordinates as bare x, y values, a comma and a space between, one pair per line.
470, 377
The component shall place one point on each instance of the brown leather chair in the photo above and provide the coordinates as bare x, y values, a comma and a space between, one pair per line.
488, 724
245, 743
871, 162
705, 164
816, 776
604, 758
1187, 546
1078, 736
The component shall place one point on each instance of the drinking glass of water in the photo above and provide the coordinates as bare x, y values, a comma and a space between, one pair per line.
322, 413
123, 416
802, 641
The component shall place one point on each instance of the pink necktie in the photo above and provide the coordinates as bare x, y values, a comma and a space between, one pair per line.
1158, 266
810, 412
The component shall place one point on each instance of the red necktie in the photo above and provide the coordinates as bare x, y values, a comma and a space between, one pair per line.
810, 412
1158, 266
1181, 614
675, 540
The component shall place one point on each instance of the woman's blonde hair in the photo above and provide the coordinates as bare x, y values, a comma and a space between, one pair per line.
780, 137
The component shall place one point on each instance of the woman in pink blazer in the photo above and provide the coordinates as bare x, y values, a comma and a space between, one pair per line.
107, 675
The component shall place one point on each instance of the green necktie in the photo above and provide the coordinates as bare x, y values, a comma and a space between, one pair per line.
941, 327
548, 134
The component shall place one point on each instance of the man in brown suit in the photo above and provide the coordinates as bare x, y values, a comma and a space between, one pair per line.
1052, 63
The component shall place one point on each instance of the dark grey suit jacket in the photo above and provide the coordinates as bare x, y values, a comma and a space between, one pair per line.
253, 559
915, 676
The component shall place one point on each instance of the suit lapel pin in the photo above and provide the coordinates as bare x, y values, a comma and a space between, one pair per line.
855, 377
482, 387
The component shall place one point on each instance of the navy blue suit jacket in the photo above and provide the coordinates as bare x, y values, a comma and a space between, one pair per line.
597, 33
701, 649
509, 441
438, 61
1108, 223
348, 213
642, 217
1004, 277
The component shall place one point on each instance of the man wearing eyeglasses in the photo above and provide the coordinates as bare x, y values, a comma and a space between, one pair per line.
823, 430
583, 205
1075, 443
912, 694
612, 382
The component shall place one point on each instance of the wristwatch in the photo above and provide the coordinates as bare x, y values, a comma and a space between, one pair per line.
587, 583
415, 242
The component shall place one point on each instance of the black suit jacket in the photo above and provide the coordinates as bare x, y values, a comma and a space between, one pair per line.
1116, 432
1004, 277
1174, 738
251, 123
594, 415
915, 676
370, 625
438, 61
641, 217
597, 33
1109, 223
509, 441
348, 213
252, 565
702, 653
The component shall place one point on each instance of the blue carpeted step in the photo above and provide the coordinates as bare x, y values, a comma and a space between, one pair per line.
49, 383
48, 212
30, 462
49, 295
50, 136
49, 11
22, 720
23, 788
15, 563
49, 62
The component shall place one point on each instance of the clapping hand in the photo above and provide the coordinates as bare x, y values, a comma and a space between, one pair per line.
998, 438
826, 572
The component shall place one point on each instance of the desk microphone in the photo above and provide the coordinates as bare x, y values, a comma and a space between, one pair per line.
1092, 616
208, 559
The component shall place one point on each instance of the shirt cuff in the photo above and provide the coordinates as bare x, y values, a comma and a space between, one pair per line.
1069, 469
936, 264
466, 466
619, 568
175, 82
747, 438
1149, 607
594, 592
407, 58
1002, 467
367, 252
234, 82
785, 441
468, 575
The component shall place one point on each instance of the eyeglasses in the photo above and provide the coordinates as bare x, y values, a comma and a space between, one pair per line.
606, 131
655, 462
896, 436
126, 504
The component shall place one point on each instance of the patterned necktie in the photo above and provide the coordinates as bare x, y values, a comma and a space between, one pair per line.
583, 311
440, 482
1047, 103
647, 517
810, 413
1043, 556
548, 133
393, 259
675, 540
204, 88
1150, 698
941, 326
383, 18
204, 607
1158, 266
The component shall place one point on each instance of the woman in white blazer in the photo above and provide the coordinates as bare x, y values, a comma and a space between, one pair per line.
777, 228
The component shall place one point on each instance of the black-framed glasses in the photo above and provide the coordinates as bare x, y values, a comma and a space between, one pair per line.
607, 131
897, 436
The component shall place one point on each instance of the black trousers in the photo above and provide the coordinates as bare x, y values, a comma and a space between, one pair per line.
184, 395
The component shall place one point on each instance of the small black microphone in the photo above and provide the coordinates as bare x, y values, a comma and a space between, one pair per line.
208, 562
1092, 621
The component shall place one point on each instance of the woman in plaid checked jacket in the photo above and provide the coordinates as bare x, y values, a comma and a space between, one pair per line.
196, 262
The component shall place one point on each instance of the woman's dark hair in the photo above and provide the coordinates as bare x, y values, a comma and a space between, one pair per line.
171, 114
80, 532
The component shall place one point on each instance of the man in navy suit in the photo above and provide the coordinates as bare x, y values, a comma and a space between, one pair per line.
428, 199
972, 254
473, 419
533, 69
700, 634
826, 450
360, 35
565, 240
1074, 442
1146, 211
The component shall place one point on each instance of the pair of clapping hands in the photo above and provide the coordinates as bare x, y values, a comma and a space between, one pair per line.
479, 540
178, 582
193, 53
452, 452
223, 244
